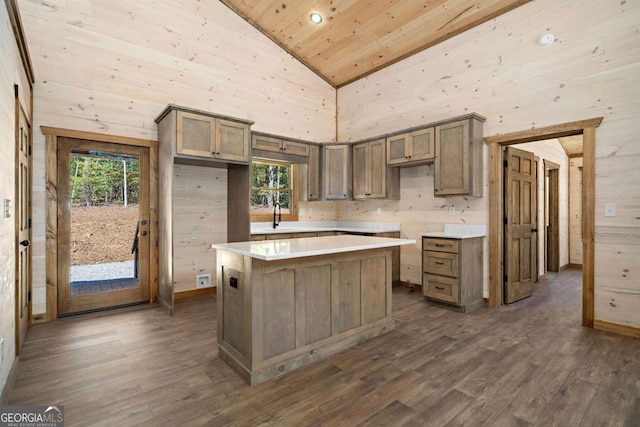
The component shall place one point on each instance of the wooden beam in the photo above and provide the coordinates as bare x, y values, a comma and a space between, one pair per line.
617, 329
100, 137
547, 132
495, 226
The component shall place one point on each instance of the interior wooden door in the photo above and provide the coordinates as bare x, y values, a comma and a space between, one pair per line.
23, 227
520, 227
103, 256
553, 220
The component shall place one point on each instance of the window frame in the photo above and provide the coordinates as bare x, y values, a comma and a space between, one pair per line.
293, 189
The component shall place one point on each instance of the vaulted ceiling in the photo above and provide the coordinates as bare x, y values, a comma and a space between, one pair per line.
358, 37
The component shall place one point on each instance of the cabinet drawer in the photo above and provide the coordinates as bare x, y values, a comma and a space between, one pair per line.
441, 288
441, 245
443, 263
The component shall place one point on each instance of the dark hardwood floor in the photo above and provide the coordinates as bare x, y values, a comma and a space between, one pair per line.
530, 363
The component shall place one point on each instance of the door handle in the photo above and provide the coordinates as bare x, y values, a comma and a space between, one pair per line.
25, 243
143, 232
534, 230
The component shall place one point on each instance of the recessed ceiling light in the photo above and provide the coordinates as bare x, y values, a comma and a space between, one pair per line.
315, 17
546, 40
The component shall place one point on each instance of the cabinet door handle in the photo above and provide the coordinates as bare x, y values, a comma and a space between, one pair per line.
439, 262
440, 288
440, 245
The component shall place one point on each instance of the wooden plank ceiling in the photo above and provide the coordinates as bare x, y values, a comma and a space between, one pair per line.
358, 37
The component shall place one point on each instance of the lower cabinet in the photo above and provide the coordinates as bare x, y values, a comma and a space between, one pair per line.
452, 272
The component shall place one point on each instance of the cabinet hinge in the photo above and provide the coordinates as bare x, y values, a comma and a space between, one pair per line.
29, 223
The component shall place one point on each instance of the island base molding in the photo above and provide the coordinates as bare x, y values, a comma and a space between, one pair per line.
313, 353
277, 316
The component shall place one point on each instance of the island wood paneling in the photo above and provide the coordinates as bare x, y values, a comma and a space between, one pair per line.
497, 70
96, 74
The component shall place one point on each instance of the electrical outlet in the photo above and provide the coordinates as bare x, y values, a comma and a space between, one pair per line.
7, 208
194, 235
303, 211
203, 281
310, 211
609, 209
452, 210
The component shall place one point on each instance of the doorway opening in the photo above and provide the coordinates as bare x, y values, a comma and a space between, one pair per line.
101, 219
586, 128
104, 245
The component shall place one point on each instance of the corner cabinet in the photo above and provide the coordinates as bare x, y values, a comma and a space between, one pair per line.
336, 172
372, 179
452, 272
459, 158
205, 136
410, 149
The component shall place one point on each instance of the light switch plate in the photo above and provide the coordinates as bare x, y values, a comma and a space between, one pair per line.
7, 208
609, 209
452, 210
379, 211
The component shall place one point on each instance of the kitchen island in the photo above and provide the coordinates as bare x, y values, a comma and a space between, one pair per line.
283, 304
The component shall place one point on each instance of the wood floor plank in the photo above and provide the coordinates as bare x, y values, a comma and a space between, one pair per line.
529, 363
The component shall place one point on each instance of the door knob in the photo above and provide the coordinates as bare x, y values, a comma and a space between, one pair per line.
25, 243
144, 232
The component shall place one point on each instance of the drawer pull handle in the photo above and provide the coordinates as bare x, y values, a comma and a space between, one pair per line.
439, 262
439, 288
440, 245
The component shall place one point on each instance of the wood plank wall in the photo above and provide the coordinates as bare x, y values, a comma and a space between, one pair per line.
575, 211
111, 67
497, 70
200, 219
11, 73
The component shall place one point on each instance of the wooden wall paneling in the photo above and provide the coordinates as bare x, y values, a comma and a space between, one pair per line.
199, 219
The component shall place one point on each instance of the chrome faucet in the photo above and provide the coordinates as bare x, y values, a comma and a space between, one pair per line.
275, 224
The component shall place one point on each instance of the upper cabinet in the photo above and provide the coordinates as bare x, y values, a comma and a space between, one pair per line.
336, 173
278, 145
372, 179
198, 134
412, 148
459, 158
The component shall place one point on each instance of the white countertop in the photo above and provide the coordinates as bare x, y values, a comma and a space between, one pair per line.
443, 235
270, 250
317, 226
459, 231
